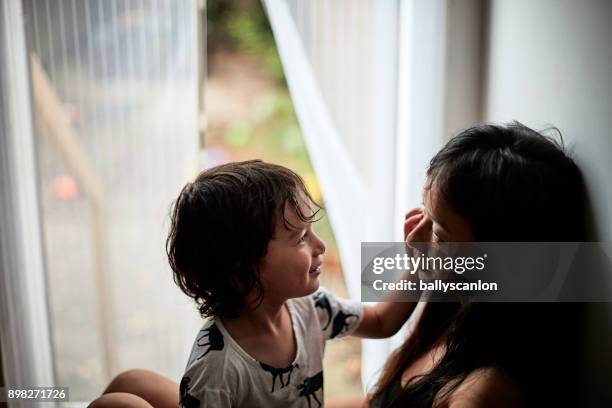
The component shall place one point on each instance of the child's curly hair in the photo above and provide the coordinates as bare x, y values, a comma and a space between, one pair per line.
220, 228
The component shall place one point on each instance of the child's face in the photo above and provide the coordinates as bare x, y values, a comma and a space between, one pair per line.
292, 264
436, 221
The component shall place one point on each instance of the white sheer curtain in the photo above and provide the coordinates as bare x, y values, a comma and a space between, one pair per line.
24, 321
89, 170
370, 114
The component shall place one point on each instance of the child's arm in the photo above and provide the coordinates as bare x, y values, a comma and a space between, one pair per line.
386, 318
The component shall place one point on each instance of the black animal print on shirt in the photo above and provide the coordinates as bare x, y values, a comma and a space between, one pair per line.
340, 323
214, 341
322, 302
310, 386
186, 400
279, 372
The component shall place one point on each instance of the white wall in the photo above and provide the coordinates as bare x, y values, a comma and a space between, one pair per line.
549, 62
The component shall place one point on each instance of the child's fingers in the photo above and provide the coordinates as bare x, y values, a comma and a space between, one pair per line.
410, 223
414, 211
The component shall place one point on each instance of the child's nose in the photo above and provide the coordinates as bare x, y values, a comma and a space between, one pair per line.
319, 244
422, 232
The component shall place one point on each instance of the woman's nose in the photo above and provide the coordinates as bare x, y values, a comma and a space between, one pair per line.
421, 232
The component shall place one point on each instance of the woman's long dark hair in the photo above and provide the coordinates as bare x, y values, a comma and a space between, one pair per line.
510, 183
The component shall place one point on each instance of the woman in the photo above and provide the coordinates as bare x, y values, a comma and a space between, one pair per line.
496, 184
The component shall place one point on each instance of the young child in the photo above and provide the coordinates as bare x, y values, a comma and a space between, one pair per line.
242, 246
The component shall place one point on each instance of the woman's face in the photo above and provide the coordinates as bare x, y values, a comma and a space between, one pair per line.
436, 221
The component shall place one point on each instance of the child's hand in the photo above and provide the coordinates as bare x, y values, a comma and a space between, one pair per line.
386, 318
412, 219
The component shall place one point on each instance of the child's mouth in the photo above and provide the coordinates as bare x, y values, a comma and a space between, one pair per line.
315, 270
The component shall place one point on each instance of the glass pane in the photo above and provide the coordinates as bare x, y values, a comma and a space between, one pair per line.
115, 90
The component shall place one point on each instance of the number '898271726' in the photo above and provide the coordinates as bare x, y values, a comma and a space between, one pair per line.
34, 394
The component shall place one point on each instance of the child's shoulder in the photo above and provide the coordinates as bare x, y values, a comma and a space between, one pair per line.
213, 349
307, 305
336, 317
210, 347
211, 374
213, 361
303, 302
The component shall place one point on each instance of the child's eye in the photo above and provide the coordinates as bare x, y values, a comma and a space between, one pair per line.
303, 237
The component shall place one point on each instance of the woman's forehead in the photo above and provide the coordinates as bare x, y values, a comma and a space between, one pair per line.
435, 207
438, 209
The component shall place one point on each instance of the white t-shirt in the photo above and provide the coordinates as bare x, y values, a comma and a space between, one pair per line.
220, 373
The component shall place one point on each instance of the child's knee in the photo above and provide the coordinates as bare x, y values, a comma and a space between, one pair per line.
129, 380
119, 400
157, 390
